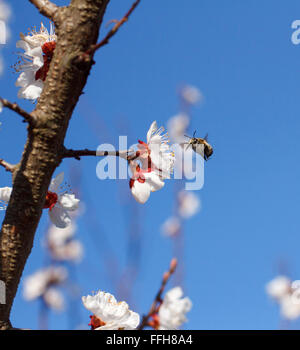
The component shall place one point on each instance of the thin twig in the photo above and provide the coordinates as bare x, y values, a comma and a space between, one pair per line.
46, 7
7, 166
70, 153
16, 108
112, 32
158, 299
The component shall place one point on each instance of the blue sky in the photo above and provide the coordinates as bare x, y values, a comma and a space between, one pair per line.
240, 54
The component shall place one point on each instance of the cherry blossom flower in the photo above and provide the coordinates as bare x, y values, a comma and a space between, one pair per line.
58, 201
189, 204
157, 162
279, 287
289, 307
171, 314
191, 94
60, 204
108, 314
171, 226
43, 284
143, 183
34, 63
62, 245
54, 299
177, 126
287, 295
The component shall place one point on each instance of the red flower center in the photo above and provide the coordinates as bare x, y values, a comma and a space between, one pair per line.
48, 50
138, 175
51, 200
95, 322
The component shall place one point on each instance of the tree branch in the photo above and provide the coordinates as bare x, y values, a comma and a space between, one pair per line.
45, 7
110, 34
158, 299
14, 107
70, 153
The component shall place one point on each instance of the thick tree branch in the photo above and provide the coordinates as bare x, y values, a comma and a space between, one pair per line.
46, 7
14, 107
78, 30
158, 298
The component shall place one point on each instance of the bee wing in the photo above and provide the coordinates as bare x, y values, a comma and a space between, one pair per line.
187, 144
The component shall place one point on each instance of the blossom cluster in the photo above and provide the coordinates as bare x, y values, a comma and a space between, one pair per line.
108, 314
287, 294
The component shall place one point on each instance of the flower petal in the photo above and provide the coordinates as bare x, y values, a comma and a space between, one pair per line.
68, 202
5, 193
56, 182
59, 217
151, 130
154, 181
141, 191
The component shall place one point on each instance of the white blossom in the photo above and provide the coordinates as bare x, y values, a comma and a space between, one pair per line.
108, 314
177, 126
279, 287
289, 308
143, 183
171, 226
191, 94
42, 284
287, 295
157, 162
189, 204
34, 62
54, 299
59, 203
172, 312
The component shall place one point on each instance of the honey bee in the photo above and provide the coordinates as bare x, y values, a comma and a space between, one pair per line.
196, 142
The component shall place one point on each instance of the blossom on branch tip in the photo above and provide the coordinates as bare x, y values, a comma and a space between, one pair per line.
108, 314
34, 63
172, 311
156, 162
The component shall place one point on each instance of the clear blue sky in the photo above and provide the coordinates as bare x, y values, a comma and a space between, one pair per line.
240, 55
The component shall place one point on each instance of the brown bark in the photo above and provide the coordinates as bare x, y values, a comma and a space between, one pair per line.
77, 28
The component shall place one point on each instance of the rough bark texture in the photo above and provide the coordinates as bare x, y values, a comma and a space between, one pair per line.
77, 28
